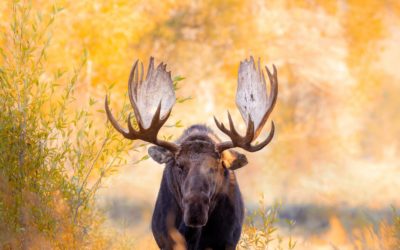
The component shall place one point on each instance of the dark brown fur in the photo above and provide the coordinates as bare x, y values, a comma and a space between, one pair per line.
199, 195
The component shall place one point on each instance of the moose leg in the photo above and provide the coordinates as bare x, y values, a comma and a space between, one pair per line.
192, 236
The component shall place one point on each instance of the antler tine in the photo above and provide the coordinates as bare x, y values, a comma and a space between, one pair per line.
132, 92
151, 67
220, 125
130, 127
141, 72
250, 130
229, 144
264, 143
138, 92
217, 123
273, 78
255, 105
156, 122
224, 145
113, 121
163, 120
236, 139
136, 77
231, 125
133, 84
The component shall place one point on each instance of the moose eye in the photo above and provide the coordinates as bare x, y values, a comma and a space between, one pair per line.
179, 167
181, 170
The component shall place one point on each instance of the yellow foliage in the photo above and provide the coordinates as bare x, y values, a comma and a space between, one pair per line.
337, 110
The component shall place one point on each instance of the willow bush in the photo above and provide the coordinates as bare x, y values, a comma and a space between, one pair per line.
260, 230
54, 155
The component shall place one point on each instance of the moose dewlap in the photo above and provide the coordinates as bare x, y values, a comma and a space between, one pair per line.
199, 196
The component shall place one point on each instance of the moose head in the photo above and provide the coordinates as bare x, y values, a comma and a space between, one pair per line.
198, 160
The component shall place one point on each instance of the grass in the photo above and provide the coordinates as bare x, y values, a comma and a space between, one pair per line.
384, 236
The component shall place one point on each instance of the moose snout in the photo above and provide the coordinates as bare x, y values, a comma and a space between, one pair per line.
195, 210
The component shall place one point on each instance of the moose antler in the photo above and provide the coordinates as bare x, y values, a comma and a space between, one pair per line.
152, 101
255, 106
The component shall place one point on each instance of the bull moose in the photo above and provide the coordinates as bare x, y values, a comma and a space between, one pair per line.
199, 196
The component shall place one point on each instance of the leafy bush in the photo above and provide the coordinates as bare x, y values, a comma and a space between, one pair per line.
53, 153
260, 230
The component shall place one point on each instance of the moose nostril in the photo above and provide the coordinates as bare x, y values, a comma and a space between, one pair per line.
206, 200
194, 207
196, 199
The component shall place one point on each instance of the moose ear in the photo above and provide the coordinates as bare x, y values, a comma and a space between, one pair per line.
159, 154
233, 160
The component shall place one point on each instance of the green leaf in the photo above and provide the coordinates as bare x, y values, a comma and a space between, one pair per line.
181, 100
92, 101
178, 78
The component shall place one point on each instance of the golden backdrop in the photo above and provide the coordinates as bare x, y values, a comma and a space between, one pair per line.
337, 141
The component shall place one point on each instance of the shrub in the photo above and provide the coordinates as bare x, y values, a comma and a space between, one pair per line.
261, 232
54, 151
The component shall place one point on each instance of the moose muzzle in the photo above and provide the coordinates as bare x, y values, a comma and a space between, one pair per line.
195, 209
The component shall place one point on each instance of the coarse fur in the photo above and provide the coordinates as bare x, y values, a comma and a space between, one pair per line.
199, 204
201, 200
